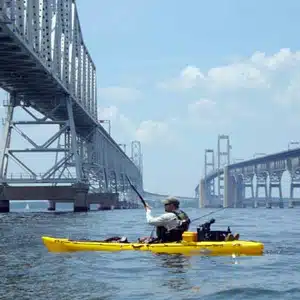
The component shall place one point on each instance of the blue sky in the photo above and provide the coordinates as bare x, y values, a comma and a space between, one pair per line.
176, 75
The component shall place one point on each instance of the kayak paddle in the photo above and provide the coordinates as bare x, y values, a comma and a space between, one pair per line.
133, 187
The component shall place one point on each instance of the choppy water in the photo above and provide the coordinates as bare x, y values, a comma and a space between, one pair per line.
28, 271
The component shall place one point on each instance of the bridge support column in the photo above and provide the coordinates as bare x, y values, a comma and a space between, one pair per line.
240, 192
202, 194
275, 182
295, 183
52, 205
4, 206
261, 182
4, 203
229, 189
81, 203
292, 187
281, 203
254, 203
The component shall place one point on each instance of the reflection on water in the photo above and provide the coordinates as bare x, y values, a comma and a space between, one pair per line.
176, 266
177, 263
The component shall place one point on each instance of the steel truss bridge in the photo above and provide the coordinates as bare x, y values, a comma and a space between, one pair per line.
49, 74
225, 183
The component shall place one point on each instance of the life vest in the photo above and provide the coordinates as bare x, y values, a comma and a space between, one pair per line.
174, 234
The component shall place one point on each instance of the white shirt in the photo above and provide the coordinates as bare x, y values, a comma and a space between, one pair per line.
168, 220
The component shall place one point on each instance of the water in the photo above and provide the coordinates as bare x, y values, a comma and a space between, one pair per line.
29, 271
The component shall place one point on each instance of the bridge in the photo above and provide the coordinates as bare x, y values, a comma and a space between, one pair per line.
155, 199
49, 74
227, 183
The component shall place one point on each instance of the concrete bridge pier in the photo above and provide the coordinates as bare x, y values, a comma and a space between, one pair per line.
230, 189
275, 182
291, 201
4, 206
254, 203
81, 202
268, 203
248, 184
239, 192
281, 204
4, 203
52, 205
261, 182
202, 194
295, 184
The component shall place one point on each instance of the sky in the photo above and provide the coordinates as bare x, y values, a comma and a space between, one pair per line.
175, 75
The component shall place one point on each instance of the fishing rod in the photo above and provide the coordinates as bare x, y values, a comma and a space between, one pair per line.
212, 212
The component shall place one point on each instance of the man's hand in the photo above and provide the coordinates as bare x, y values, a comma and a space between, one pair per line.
148, 208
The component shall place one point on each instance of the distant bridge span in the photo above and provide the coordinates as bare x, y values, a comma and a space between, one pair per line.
236, 177
153, 195
283, 155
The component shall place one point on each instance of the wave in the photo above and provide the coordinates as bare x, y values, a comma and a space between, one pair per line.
254, 293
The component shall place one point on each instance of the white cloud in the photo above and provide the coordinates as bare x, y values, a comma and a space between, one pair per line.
205, 113
108, 113
225, 96
290, 94
257, 71
119, 94
240, 75
189, 77
282, 59
151, 131
123, 128
202, 107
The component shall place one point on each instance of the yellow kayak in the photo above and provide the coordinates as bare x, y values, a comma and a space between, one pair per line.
215, 248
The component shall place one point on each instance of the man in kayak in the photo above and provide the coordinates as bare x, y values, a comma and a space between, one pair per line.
170, 225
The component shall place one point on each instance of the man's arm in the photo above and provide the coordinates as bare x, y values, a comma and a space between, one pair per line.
159, 221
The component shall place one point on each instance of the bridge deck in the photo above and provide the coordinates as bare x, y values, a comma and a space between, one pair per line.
42, 65
22, 72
